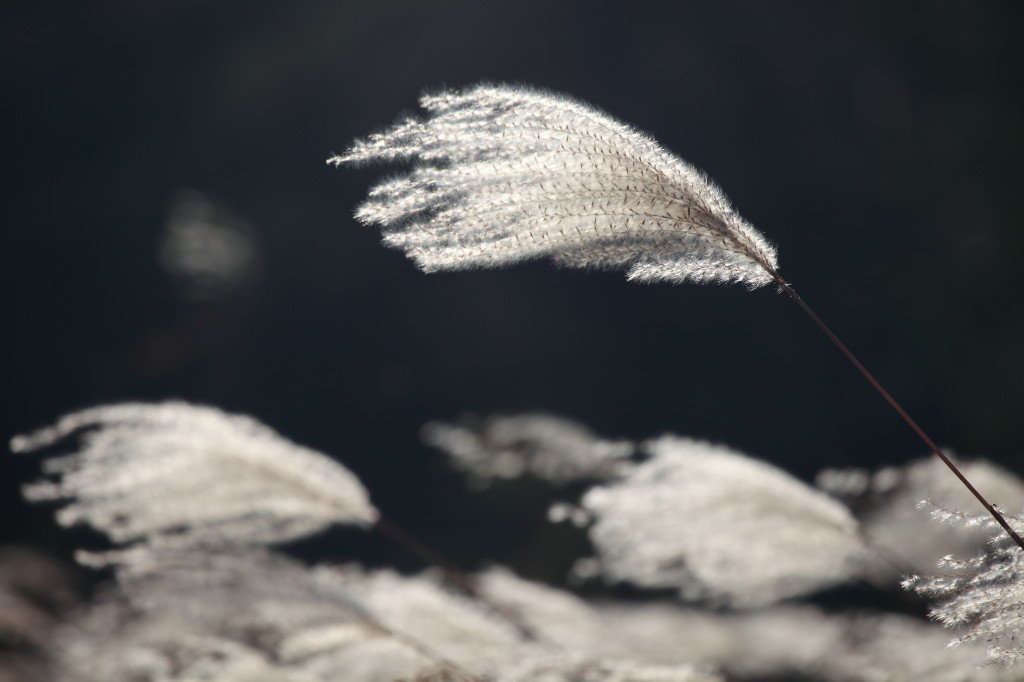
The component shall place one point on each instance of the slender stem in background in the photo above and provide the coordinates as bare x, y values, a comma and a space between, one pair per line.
428, 554
896, 406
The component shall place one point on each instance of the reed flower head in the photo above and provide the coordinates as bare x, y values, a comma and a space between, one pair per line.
505, 174
190, 475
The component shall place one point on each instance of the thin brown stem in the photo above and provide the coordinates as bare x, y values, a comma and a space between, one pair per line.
425, 552
896, 406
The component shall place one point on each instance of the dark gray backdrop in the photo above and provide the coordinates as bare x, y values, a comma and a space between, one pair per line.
878, 144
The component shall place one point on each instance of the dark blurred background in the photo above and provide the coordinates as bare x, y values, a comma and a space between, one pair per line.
172, 231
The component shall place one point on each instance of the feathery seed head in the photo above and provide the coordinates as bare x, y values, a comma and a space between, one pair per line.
695, 501
187, 474
982, 595
505, 174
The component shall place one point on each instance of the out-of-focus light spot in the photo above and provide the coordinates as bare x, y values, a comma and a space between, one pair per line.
210, 252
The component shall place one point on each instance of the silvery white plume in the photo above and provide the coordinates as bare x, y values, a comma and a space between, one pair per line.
718, 525
985, 594
186, 475
887, 504
799, 642
570, 669
235, 616
551, 448
504, 174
